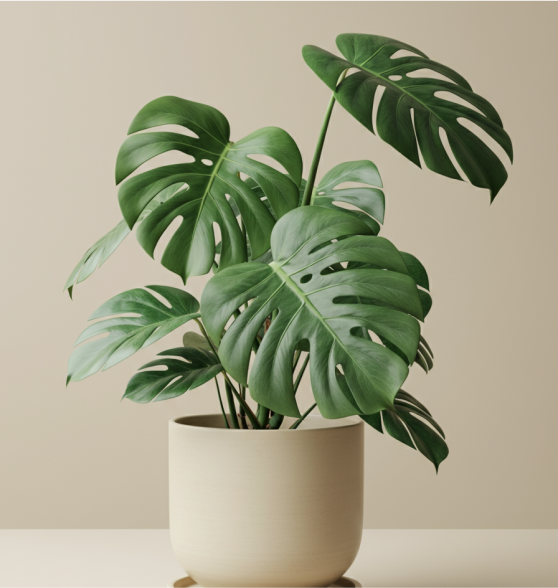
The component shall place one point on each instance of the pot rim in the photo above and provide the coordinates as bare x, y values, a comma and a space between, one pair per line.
333, 424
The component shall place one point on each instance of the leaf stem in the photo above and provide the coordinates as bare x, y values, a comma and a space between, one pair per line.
242, 412
229, 386
297, 423
319, 146
263, 416
204, 333
251, 416
301, 372
296, 358
221, 403
277, 419
232, 406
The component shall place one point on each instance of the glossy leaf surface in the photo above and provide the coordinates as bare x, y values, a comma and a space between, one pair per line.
96, 255
411, 112
401, 423
191, 339
304, 243
369, 199
212, 180
100, 251
181, 369
124, 335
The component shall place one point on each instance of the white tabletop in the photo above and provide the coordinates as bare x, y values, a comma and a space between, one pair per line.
138, 557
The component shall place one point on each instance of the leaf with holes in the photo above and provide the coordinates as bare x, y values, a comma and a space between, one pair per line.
100, 251
410, 109
128, 334
424, 356
304, 243
211, 179
370, 199
183, 369
401, 423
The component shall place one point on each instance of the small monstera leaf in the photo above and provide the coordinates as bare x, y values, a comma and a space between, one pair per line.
96, 255
128, 334
304, 244
191, 339
181, 369
411, 110
100, 251
401, 422
369, 199
212, 181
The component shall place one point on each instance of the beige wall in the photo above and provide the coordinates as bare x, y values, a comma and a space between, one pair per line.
74, 74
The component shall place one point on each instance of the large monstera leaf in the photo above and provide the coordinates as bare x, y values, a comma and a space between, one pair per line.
411, 423
102, 249
127, 334
306, 243
212, 180
180, 370
410, 110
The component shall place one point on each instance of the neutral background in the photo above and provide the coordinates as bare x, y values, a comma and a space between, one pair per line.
73, 75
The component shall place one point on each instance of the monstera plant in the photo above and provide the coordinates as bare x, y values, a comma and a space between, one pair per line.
302, 280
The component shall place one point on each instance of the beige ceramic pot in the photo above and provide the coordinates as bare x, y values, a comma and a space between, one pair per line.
266, 508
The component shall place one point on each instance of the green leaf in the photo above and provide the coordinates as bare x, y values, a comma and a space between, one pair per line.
194, 368
425, 357
100, 251
304, 243
211, 179
128, 334
191, 339
370, 200
416, 270
410, 111
96, 255
401, 422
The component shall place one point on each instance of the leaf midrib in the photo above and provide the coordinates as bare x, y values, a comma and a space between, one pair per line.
210, 184
141, 328
446, 126
401, 89
323, 320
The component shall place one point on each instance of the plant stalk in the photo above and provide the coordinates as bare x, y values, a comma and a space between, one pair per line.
296, 424
263, 416
319, 146
232, 406
221, 404
204, 333
242, 412
277, 419
296, 358
251, 416
229, 386
301, 372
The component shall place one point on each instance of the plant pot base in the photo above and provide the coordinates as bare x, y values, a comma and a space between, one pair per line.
343, 582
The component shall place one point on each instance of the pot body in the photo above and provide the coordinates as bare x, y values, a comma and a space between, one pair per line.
266, 508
